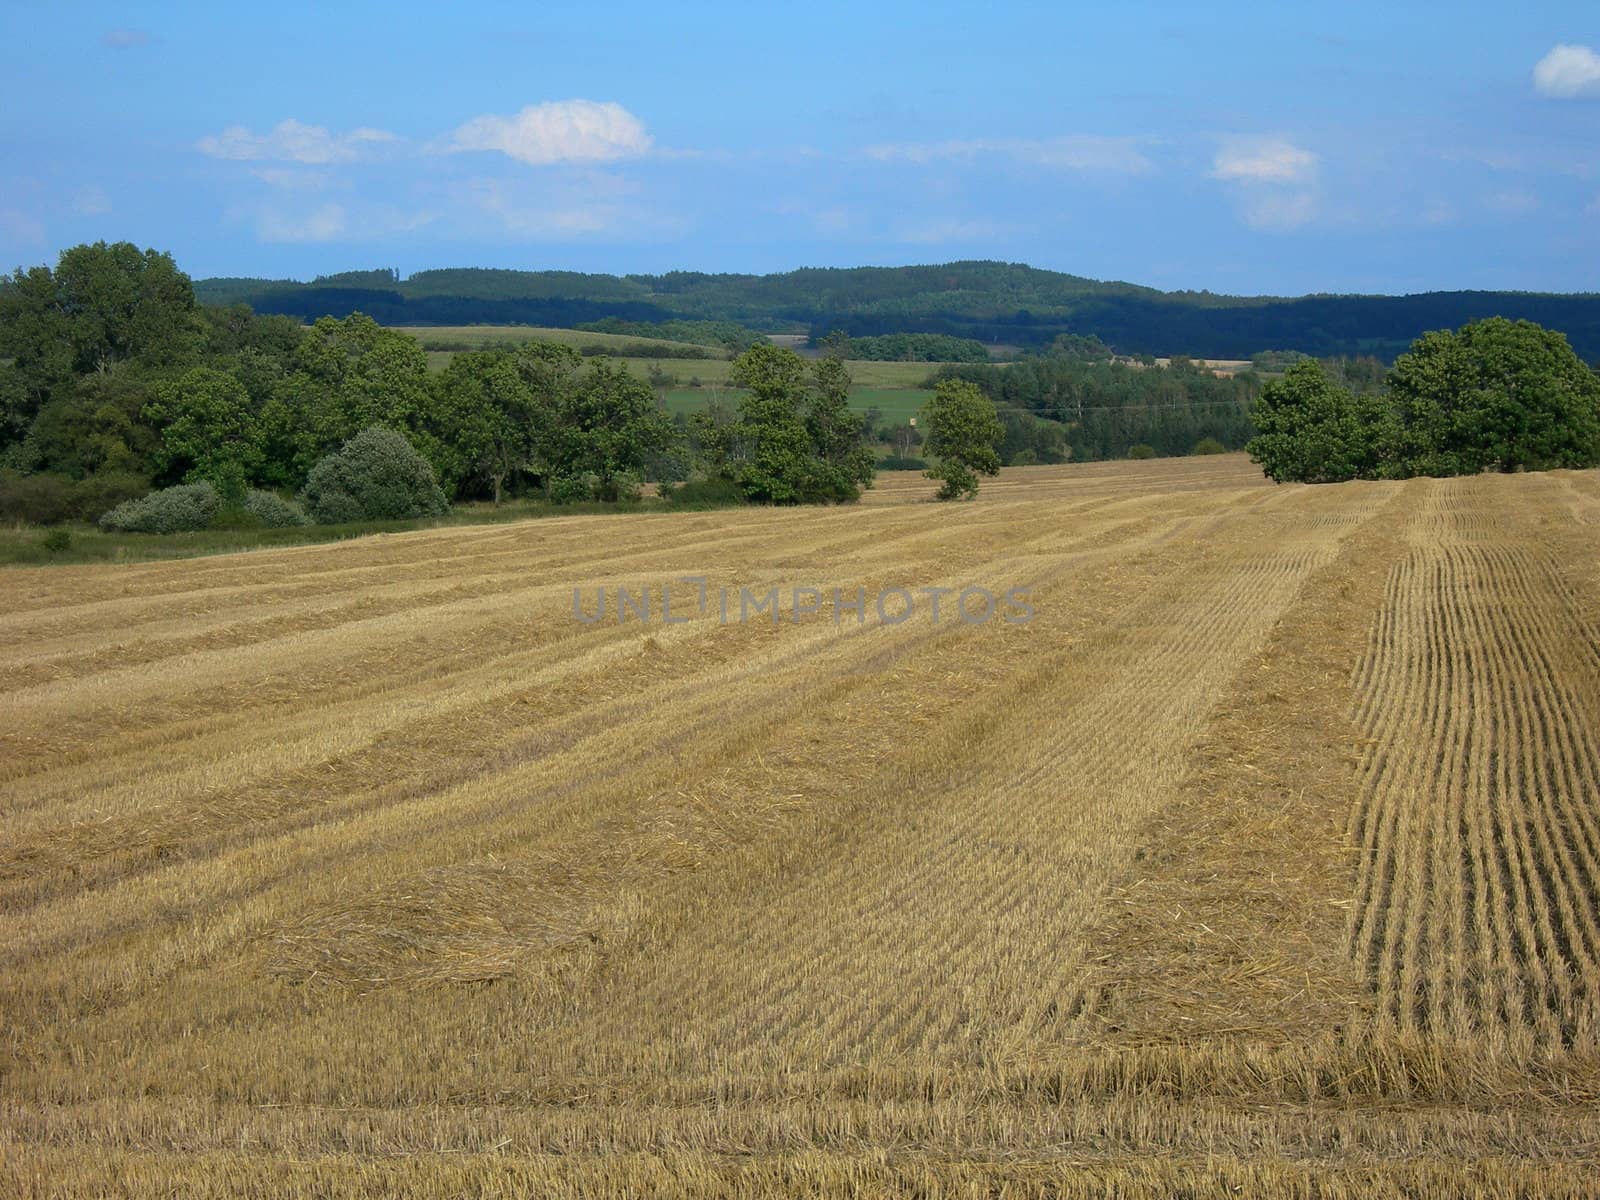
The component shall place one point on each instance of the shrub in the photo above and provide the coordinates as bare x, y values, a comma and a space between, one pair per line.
1024, 458
35, 499
1209, 445
375, 476
57, 540
172, 510
704, 493
103, 492
1141, 450
272, 511
48, 499
574, 489
902, 462
625, 487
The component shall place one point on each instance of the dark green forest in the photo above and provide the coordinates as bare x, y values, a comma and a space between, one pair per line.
1057, 409
991, 302
115, 380
125, 398
1494, 395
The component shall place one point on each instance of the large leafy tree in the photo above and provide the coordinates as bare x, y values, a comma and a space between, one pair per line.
606, 427
91, 425
351, 374
836, 431
124, 303
777, 462
964, 431
795, 440
489, 416
103, 305
36, 334
1494, 395
1311, 430
209, 430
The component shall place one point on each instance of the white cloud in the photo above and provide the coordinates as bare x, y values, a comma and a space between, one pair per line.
1513, 203
1279, 211
930, 233
1075, 152
560, 131
831, 222
91, 201
125, 39
20, 228
1262, 160
571, 205
1568, 72
321, 225
293, 141
1438, 212
291, 179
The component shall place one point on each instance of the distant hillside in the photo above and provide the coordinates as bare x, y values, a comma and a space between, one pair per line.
991, 301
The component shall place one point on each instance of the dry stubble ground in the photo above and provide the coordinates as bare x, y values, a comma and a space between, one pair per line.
1263, 859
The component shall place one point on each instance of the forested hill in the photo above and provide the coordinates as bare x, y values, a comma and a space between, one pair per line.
990, 301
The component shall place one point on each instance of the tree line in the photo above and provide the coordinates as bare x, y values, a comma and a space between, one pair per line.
1494, 395
114, 381
1065, 405
984, 301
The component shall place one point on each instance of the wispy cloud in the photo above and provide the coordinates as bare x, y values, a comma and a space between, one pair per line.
91, 201
1074, 152
559, 131
323, 224
21, 228
292, 179
936, 232
1513, 203
569, 204
1568, 72
1272, 180
125, 39
1277, 211
1257, 159
294, 141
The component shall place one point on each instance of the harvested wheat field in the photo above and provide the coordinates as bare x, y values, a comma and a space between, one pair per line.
1262, 860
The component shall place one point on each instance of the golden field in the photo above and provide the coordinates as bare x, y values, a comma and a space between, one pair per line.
1261, 861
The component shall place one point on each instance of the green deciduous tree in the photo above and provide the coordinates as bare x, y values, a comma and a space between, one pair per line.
126, 303
796, 440
1494, 395
103, 305
607, 427
964, 431
489, 416
350, 374
837, 433
1313, 431
91, 424
209, 430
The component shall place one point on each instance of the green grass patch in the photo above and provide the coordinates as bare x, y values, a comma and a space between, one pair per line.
30, 545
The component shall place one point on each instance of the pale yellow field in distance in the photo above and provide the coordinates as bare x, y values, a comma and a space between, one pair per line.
1261, 861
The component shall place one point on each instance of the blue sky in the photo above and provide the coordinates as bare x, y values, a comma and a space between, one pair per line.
1252, 148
